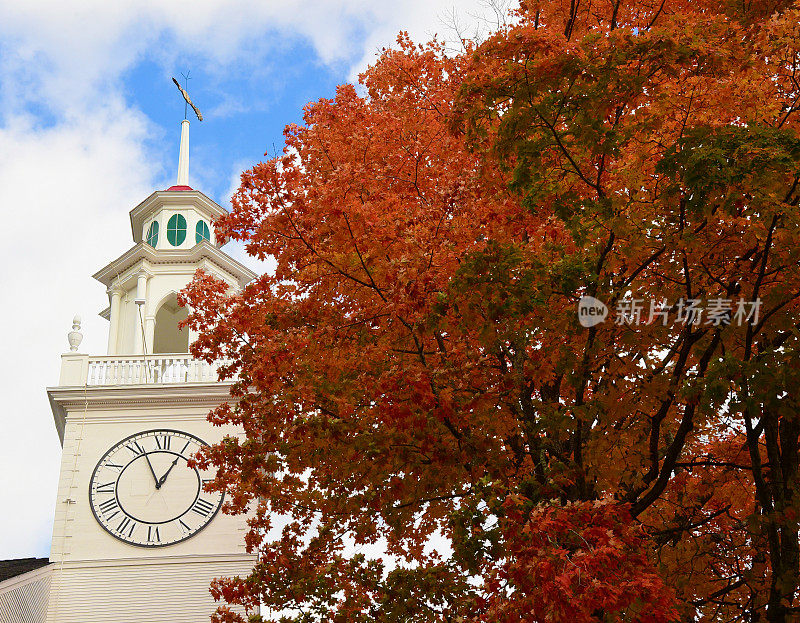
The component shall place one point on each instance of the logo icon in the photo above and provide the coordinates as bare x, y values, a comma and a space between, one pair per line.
591, 311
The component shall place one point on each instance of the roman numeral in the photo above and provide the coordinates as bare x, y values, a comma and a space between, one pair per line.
186, 446
135, 448
203, 507
114, 466
184, 528
152, 534
107, 487
125, 524
163, 442
109, 505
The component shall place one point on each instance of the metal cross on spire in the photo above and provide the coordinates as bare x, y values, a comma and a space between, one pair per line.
187, 100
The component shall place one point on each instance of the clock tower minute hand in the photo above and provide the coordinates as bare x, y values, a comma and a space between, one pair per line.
152, 471
163, 479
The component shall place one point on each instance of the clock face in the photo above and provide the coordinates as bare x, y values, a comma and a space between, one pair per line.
143, 491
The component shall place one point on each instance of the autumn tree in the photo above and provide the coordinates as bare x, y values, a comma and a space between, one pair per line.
431, 433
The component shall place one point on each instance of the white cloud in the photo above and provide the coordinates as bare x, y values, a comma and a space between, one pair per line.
65, 192
73, 162
70, 54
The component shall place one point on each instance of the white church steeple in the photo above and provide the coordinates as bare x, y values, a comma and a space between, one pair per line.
137, 535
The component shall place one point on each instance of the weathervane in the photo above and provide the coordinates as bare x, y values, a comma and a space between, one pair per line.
188, 101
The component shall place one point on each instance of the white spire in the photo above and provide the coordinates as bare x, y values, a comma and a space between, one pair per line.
183, 157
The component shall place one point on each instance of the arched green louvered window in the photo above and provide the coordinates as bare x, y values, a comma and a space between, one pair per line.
152, 234
201, 232
176, 230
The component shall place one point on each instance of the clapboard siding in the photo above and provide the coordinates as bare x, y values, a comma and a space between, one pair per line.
138, 593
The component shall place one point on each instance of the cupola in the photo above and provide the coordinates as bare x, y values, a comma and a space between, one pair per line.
174, 237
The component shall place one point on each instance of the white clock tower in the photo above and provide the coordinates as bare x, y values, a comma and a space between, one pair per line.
136, 538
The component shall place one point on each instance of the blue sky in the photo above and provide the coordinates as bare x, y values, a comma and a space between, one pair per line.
89, 127
245, 108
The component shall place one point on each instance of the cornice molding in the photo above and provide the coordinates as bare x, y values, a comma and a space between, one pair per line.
99, 396
114, 273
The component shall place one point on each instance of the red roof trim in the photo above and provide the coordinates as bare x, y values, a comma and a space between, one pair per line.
179, 188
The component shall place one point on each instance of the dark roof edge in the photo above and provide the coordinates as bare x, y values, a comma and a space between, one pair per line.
17, 566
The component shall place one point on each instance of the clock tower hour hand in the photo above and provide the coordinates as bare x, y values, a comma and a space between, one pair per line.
163, 479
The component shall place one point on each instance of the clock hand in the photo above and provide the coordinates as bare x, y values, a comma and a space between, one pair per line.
152, 471
164, 477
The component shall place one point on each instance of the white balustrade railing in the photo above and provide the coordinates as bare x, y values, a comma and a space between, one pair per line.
144, 369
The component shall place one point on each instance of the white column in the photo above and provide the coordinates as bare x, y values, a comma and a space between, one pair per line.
141, 300
183, 156
114, 320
